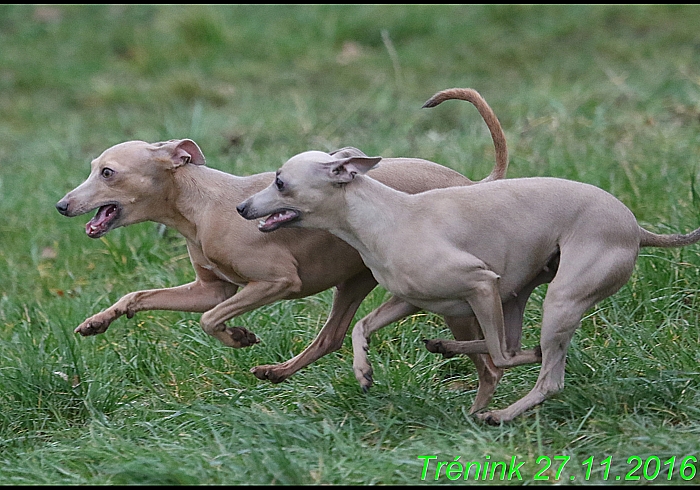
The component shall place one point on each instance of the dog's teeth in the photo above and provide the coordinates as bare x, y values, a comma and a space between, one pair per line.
261, 222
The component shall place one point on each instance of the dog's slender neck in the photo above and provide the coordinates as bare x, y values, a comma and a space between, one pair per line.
371, 212
195, 188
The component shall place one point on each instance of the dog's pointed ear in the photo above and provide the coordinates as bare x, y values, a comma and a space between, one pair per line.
344, 170
182, 152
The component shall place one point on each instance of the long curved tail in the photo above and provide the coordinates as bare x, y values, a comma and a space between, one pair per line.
499, 139
649, 239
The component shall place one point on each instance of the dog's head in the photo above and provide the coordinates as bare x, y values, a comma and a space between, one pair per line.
307, 182
126, 183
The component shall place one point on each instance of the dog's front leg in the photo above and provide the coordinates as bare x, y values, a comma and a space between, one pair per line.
482, 294
198, 297
348, 297
466, 328
253, 295
513, 312
513, 325
393, 310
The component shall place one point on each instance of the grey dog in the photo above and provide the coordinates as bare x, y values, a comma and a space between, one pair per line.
471, 251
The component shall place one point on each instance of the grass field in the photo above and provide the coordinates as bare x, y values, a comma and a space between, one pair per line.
608, 95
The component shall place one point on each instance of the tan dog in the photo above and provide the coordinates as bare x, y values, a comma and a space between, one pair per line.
471, 251
169, 183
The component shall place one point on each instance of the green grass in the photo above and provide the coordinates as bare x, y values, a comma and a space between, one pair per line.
608, 95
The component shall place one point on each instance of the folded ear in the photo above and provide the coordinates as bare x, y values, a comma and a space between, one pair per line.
344, 170
182, 152
347, 151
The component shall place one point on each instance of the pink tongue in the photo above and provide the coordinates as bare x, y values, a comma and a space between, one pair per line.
100, 222
277, 218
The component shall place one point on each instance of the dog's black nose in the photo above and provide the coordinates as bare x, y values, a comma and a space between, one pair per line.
62, 207
242, 209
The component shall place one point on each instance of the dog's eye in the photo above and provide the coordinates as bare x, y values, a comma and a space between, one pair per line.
107, 172
279, 184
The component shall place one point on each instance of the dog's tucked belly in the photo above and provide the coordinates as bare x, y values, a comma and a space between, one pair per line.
447, 307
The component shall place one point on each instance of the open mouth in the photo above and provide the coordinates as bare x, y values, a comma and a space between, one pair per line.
277, 219
104, 220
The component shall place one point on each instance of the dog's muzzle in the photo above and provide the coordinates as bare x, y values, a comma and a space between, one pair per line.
62, 207
243, 210
273, 221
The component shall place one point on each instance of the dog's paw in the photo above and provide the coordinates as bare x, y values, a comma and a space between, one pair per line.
240, 337
367, 382
437, 347
268, 372
93, 326
491, 417
364, 377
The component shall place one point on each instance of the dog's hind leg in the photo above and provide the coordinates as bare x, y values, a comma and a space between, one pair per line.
560, 320
348, 297
580, 284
